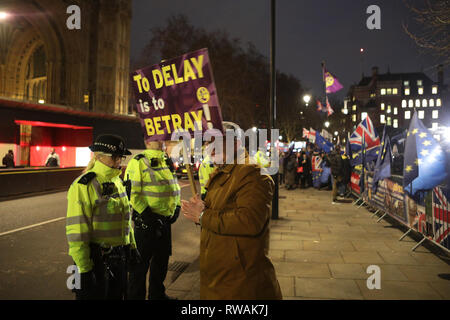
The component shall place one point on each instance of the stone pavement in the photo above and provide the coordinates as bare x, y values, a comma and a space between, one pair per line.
322, 250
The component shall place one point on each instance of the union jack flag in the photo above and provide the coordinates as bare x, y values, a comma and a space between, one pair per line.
310, 135
367, 129
328, 108
441, 217
319, 106
420, 222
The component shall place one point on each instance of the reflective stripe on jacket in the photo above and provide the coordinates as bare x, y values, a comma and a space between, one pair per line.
153, 186
97, 218
205, 170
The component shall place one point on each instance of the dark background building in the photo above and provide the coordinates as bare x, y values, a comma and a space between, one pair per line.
391, 98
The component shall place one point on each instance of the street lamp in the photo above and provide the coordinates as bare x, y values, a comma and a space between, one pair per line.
327, 124
336, 133
306, 98
3, 15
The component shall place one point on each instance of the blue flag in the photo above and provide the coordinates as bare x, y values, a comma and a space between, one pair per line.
323, 144
383, 164
425, 161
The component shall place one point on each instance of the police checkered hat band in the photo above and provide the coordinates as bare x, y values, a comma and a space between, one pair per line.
109, 143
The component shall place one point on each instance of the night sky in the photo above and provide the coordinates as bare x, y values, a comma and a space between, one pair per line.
308, 31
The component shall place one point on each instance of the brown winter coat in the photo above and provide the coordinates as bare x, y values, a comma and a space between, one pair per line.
234, 245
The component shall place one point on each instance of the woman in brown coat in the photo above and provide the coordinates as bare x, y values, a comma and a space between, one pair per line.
234, 244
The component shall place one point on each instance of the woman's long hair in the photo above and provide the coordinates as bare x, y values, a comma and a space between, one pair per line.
92, 162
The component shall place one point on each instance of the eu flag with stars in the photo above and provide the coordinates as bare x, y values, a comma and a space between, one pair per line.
425, 161
322, 143
383, 164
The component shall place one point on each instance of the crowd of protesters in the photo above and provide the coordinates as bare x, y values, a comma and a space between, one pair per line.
311, 168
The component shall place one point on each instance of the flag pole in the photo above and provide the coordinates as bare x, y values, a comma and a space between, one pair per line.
273, 104
324, 82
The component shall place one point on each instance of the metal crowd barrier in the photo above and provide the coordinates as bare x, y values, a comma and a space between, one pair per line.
428, 217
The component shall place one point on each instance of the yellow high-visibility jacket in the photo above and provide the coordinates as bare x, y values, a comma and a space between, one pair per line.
95, 215
204, 171
262, 160
153, 184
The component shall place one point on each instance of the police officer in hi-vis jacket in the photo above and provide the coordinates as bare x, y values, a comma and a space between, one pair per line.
155, 198
98, 225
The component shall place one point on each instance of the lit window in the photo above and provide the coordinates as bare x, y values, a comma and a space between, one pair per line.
389, 109
389, 91
434, 90
420, 90
406, 91
395, 91
406, 83
419, 83
407, 114
363, 115
373, 95
410, 103
435, 114
424, 103
382, 118
383, 92
395, 110
421, 114
395, 123
354, 107
417, 103
431, 102
434, 125
354, 118
438, 102
404, 103
382, 107
389, 123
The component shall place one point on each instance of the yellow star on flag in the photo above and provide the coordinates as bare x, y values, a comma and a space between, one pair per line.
418, 161
408, 168
415, 131
426, 143
424, 152
423, 135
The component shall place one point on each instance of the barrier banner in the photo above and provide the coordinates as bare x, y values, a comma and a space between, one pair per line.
177, 95
354, 182
430, 216
441, 215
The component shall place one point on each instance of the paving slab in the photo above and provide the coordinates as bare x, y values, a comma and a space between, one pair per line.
399, 290
285, 245
327, 288
314, 256
287, 285
425, 273
362, 257
370, 245
327, 245
348, 271
301, 269
300, 235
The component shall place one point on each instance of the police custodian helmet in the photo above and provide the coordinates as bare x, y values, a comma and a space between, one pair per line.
110, 143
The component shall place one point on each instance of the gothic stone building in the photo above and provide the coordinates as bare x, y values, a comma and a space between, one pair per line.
42, 60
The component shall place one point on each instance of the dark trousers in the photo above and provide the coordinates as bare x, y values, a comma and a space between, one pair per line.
109, 280
155, 254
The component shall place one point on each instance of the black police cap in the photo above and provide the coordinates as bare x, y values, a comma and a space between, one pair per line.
110, 143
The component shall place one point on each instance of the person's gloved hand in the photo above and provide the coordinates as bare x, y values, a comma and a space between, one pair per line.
175, 215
